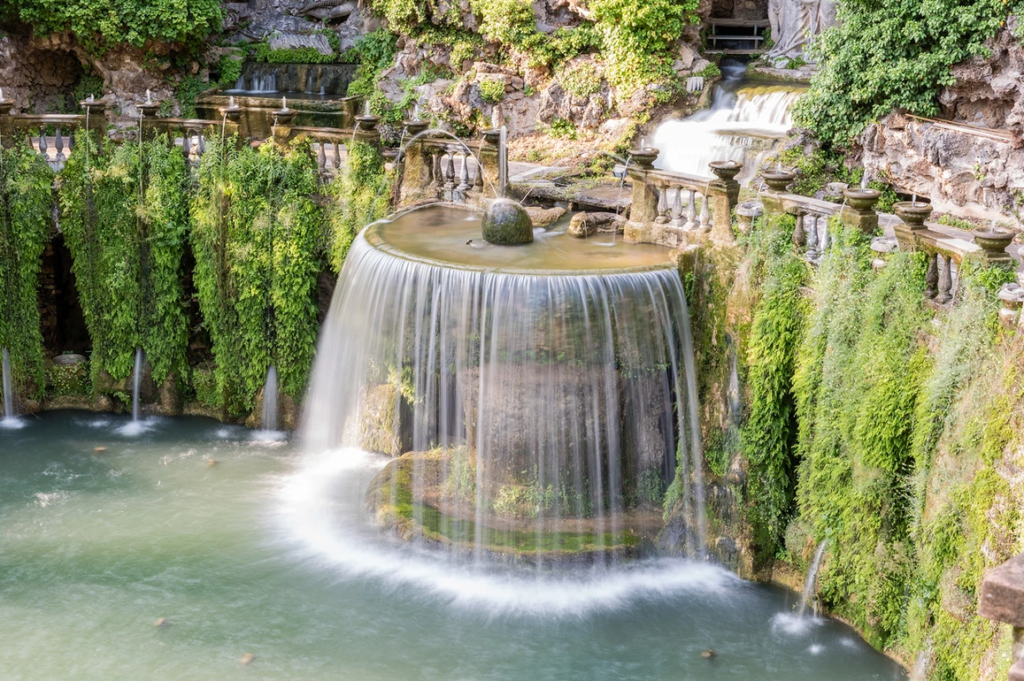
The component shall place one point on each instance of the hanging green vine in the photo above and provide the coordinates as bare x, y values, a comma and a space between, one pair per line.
25, 218
125, 224
769, 434
257, 246
360, 194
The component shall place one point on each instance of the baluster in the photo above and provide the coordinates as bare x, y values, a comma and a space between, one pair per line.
811, 227
59, 145
931, 277
186, 144
798, 232
201, 146
663, 207
71, 143
449, 172
677, 208
463, 175
435, 167
691, 209
337, 156
945, 281
705, 216
824, 238
321, 158
42, 144
954, 279
478, 176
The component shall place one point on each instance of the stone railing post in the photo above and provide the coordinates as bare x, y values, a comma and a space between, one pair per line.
859, 211
778, 182
490, 162
643, 210
415, 169
5, 118
1002, 599
723, 195
366, 130
96, 113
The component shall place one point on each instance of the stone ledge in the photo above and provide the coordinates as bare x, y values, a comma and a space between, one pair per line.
1002, 599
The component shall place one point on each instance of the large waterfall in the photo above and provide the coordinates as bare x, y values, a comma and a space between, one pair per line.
744, 123
535, 417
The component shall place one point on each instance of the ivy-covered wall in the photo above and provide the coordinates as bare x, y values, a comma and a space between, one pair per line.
875, 423
25, 218
212, 271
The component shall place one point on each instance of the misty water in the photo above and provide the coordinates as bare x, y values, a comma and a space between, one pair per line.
267, 552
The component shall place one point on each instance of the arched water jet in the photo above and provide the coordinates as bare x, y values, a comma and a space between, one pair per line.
536, 400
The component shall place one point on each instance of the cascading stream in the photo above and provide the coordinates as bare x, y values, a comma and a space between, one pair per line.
812, 576
268, 413
744, 123
136, 383
541, 416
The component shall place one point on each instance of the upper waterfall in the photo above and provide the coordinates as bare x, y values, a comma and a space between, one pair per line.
743, 124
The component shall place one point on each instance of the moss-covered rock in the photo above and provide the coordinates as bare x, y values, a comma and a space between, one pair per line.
506, 223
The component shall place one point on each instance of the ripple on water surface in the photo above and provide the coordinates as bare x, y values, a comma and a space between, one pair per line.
267, 553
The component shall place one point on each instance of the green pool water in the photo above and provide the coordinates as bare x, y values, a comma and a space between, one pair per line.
270, 552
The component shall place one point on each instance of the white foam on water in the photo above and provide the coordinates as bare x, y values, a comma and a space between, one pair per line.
136, 428
44, 499
315, 512
269, 436
12, 423
795, 625
816, 649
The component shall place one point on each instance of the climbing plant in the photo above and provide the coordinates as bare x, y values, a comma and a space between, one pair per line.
769, 434
257, 246
360, 194
25, 218
892, 54
125, 223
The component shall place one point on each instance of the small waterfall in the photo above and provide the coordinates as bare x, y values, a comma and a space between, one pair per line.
9, 412
268, 415
743, 124
812, 576
136, 383
537, 414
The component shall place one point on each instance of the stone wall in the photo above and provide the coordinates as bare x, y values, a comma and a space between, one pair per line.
970, 174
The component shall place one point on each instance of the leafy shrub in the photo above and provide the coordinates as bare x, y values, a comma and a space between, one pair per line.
890, 54
69, 379
562, 128
101, 24
582, 80
492, 90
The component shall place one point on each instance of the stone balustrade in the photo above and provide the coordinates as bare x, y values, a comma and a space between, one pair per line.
439, 169
1001, 598
674, 209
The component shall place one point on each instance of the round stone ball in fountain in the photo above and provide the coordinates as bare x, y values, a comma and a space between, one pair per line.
506, 223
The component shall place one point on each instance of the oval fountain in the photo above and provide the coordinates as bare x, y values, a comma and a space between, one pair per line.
528, 403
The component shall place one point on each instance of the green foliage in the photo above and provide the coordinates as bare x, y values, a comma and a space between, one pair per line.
101, 24
228, 69
70, 380
769, 434
256, 240
562, 128
125, 223
710, 71
491, 90
639, 37
188, 89
25, 221
891, 54
262, 52
581, 80
360, 194
88, 85
373, 53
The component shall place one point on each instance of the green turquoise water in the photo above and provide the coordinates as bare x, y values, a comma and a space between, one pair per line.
266, 552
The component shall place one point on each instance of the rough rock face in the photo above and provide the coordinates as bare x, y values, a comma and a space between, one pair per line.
978, 175
989, 91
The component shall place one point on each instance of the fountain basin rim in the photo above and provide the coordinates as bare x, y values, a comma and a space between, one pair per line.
372, 235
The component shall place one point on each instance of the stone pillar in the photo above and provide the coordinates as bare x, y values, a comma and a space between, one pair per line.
490, 161
643, 210
366, 130
416, 167
1002, 599
6, 129
723, 195
859, 211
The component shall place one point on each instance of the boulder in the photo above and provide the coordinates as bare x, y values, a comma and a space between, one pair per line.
542, 217
584, 224
506, 223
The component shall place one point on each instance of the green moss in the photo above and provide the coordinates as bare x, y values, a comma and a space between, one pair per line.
492, 90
